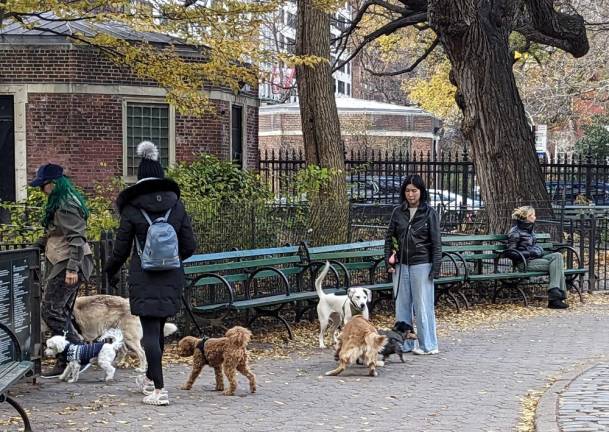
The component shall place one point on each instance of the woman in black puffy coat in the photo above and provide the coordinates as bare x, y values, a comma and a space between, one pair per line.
153, 295
521, 238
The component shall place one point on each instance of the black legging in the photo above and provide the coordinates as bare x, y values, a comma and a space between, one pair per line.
154, 344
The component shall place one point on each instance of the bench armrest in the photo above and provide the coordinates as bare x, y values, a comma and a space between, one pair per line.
284, 280
503, 254
14, 340
572, 250
313, 266
450, 256
223, 282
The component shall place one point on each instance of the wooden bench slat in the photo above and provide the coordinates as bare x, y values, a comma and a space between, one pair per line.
235, 265
242, 254
346, 246
240, 277
347, 254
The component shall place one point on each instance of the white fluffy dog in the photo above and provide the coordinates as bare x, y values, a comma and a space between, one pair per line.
345, 306
77, 355
97, 314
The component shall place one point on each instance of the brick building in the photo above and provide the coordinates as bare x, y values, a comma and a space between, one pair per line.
68, 104
365, 125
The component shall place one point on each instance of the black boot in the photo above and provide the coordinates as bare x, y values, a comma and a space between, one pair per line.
555, 299
57, 369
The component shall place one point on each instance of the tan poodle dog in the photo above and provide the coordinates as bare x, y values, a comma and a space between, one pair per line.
227, 353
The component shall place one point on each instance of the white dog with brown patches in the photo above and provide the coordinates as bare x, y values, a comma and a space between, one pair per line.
345, 306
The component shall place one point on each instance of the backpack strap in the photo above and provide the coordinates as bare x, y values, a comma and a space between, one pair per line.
165, 219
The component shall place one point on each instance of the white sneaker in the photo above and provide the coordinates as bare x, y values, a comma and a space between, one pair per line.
157, 397
419, 351
144, 385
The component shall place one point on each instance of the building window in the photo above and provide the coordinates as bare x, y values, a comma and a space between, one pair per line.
237, 135
291, 19
147, 122
341, 87
290, 45
348, 89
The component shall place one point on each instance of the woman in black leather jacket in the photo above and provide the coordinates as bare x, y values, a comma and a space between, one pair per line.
521, 238
413, 253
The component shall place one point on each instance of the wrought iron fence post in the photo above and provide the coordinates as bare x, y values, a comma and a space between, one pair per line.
591, 253
464, 184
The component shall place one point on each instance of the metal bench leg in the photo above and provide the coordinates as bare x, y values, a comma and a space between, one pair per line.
27, 427
273, 314
464, 297
575, 285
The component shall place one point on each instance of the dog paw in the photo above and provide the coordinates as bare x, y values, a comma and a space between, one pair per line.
253, 389
228, 393
380, 363
220, 389
140, 370
186, 387
373, 373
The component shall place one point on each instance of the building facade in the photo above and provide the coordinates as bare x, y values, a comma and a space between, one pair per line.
69, 104
365, 126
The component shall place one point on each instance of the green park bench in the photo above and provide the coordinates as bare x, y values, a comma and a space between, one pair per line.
255, 281
261, 282
484, 260
13, 370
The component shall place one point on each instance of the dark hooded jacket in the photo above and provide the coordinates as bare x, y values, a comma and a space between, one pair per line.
521, 237
155, 294
419, 239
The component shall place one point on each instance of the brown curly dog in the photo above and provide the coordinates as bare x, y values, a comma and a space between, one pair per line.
228, 353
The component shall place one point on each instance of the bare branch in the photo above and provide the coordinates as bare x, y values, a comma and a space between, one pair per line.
545, 25
410, 68
387, 29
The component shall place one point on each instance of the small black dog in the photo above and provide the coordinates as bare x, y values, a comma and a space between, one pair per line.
396, 337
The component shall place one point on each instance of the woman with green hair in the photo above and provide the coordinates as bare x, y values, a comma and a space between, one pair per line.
68, 255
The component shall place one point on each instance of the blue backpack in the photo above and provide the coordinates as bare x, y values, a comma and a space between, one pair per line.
160, 252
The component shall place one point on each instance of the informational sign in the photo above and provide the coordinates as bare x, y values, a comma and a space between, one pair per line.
541, 138
19, 303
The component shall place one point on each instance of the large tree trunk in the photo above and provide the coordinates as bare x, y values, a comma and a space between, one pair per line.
320, 126
475, 38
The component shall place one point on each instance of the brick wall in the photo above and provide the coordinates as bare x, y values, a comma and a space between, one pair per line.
83, 133
354, 128
209, 134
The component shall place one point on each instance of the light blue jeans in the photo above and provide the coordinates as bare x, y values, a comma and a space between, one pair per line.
415, 295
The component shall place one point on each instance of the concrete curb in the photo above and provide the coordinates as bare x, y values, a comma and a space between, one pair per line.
546, 414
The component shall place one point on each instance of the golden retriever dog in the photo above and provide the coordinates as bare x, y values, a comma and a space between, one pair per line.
96, 314
359, 339
226, 354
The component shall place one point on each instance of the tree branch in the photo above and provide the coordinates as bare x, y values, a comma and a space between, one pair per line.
545, 25
410, 68
387, 29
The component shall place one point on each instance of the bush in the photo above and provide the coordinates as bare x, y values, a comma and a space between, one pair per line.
25, 218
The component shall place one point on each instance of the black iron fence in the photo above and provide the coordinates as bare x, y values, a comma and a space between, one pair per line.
375, 177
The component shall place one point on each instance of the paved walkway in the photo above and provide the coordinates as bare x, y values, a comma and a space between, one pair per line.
476, 383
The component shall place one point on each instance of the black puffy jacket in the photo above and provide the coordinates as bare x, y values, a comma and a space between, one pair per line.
156, 293
521, 237
419, 239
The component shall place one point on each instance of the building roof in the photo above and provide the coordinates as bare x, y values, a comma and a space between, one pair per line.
350, 105
51, 29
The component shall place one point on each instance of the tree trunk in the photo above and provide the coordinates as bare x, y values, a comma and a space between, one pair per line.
320, 126
475, 39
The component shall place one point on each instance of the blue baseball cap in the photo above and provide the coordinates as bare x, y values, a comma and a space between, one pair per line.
47, 173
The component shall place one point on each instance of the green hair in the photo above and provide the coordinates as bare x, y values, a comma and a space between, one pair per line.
63, 192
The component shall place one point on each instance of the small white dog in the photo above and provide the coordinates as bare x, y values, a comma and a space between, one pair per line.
77, 355
345, 306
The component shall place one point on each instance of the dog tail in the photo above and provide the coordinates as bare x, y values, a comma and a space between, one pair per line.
169, 329
376, 341
320, 279
117, 337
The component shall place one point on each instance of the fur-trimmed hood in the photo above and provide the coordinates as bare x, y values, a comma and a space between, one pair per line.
147, 186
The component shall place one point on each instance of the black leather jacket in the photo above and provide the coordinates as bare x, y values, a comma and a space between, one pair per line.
521, 237
419, 239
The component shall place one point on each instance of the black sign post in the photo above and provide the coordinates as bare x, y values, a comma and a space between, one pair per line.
20, 305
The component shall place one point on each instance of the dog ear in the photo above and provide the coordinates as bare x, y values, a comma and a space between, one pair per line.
369, 294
